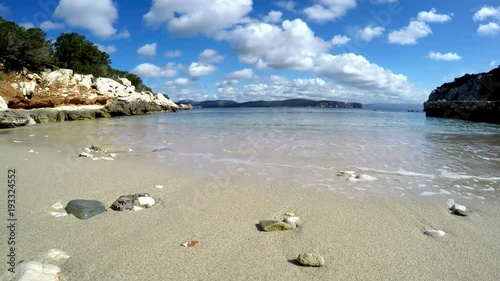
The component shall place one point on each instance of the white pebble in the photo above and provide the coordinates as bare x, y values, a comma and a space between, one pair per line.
31, 151
159, 186
58, 214
57, 205
16, 141
292, 220
57, 254
433, 232
146, 201
130, 150
137, 208
113, 155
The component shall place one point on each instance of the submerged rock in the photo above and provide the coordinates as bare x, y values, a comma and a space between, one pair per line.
272, 225
459, 210
309, 259
84, 209
133, 202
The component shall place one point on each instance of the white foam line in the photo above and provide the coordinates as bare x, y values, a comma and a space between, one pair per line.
399, 172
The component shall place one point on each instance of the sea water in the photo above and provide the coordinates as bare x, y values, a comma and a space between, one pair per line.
407, 153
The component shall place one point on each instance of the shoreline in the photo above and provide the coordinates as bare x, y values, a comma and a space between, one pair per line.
360, 239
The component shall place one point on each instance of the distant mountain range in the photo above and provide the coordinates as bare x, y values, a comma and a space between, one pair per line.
283, 103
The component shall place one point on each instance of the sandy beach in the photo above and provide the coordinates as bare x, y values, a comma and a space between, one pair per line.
360, 239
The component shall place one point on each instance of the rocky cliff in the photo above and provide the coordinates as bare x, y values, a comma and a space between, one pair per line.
471, 97
60, 95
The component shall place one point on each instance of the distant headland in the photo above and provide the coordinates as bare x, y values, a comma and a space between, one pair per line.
282, 103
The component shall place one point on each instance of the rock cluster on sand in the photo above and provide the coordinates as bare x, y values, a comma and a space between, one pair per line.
289, 223
133, 202
84, 209
309, 259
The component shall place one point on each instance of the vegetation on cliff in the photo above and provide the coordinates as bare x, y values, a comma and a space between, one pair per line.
28, 48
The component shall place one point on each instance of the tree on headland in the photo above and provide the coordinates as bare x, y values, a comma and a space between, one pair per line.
20, 47
73, 51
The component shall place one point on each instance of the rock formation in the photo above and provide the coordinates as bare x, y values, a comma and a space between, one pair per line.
61, 95
471, 97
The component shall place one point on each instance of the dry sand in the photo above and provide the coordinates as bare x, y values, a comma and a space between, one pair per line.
360, 239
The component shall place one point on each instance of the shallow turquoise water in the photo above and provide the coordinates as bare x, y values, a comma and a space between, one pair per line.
409, 154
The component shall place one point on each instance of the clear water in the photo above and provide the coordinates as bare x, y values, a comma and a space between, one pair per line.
408, 154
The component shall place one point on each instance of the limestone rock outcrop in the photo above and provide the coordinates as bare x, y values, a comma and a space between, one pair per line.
471, 97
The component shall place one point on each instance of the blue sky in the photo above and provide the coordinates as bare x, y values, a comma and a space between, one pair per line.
347, 50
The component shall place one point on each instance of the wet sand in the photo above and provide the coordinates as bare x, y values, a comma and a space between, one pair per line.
367, 238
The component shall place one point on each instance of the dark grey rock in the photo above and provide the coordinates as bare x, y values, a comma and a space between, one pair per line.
309, 259
13, 118
127, 202
84, 209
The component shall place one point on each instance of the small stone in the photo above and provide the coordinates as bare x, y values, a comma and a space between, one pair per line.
159, 186
345, 173
57, 205
309, 259
271, 225
58, 214
85, 154
130, 150
190, 244
112, 155
31, 151
130, 202
84, 209
57, 254
292, 220
433, 232
97, 148
290, 214
146, 201
459, 210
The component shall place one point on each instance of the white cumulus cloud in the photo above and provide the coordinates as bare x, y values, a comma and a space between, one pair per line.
49, 25
487, 12
189, 17
151, 70
197, 69
329, 10
432, 16
246, 73
148, 50
173, 53
273, 16
339, 40
446, 57
96, 16
288, 5
27, 25
292, 45
108, 49
409, 35
210, 56
370, 32
491, 28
